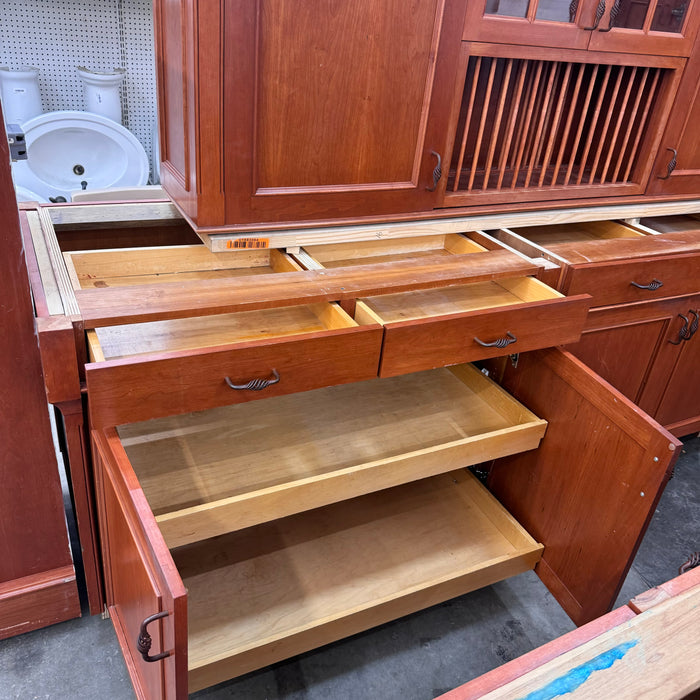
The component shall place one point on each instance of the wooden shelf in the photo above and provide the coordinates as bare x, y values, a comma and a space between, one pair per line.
211, 472
338, 570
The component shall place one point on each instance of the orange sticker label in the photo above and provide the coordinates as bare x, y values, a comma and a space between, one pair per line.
248, 243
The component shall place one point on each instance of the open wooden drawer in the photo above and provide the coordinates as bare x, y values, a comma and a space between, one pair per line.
202, 519
198, 362
616, 263
448, 325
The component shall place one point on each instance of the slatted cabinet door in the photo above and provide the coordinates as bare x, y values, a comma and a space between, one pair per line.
141, 578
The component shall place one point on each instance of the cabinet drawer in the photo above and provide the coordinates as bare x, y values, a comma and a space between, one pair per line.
159, 368
369, 516
440, 327
616, 282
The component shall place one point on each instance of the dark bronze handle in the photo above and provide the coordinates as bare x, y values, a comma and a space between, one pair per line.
688, 329
573, 6
599, 12
671, 165
500, 343
437, 172
143, 643
614, 12
693, 561
653, 285
255, 384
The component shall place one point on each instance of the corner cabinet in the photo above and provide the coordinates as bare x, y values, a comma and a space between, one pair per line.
292, 111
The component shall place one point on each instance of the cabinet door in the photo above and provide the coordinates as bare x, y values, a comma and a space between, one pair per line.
555, 23
332, 109
140, 578
677, 166
588, 492
660, 27
679, 408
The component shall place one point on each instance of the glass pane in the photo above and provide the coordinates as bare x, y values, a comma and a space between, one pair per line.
507, 8
557, 10
632, 14
669, 15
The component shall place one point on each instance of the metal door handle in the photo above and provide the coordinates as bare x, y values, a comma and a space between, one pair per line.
144, 641
437, 172
599, 12
671, 166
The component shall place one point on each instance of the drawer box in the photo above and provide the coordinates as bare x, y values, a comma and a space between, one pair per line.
440, 327
431, 328
614, 262
211, 472
250, 597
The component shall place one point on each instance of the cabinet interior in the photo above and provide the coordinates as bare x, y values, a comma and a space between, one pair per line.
337, 570
210, 472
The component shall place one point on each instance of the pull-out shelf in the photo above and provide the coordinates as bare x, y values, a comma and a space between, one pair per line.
298, 520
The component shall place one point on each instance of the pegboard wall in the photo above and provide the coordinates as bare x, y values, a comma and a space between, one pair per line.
56, 36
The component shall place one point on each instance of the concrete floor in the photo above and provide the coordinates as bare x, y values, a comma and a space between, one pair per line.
415, 658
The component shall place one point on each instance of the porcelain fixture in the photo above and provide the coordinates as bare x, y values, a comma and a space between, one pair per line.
21, 99
102, 92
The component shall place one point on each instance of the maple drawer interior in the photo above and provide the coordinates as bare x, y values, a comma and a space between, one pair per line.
334, 571
368, 252
477, 296
210, 472
672, 224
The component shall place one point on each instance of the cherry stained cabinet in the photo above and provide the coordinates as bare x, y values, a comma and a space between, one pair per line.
656, 27
275, 110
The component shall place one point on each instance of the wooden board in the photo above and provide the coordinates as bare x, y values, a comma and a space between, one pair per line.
209, 472
334, 571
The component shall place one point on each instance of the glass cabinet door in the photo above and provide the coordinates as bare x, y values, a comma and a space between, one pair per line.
662, 27
551, 23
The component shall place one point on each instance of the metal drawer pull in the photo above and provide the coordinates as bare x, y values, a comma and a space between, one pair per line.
437, 172
653, 285
143, 643
255, 384
500, 343
671, 166
600, 11
614, 12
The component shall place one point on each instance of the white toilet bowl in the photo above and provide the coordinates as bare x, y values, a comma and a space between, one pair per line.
68, 151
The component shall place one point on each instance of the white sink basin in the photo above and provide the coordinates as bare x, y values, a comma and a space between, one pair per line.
69, 151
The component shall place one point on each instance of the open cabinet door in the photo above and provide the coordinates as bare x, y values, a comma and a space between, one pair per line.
589, 491
141, 580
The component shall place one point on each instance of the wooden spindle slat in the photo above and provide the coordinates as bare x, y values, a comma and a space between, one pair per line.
539, 132
606, 124
567, 126
512, 120
482, 124
630, 121
593, 125
650, 97
621, 115
582, 121
534, 89
497, 122
555, 123
467, 122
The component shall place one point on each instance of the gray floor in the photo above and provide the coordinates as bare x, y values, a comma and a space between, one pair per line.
417, 657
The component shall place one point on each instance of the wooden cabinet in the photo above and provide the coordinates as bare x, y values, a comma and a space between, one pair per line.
644, 282
332, 111
661, 28
244, 524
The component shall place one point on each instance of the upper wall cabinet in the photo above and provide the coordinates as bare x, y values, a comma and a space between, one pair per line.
278, 110
660, 27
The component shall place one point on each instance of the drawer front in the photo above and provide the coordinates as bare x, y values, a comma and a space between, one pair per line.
615, 283
411, 346
131, 390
